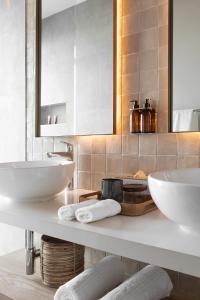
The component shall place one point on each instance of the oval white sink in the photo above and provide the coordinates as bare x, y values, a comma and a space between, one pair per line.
177, 195
35, 180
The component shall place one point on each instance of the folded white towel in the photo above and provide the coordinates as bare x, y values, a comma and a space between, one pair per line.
151, 283
94, 282
186, 120
67, 212
102, 209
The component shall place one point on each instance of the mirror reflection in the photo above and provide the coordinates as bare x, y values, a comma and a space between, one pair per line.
185, 65
77, 67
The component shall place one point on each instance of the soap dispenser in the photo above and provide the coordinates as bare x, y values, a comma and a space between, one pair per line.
147, 118
134, 117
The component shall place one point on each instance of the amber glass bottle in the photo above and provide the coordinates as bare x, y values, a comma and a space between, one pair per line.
147, 118
134, 117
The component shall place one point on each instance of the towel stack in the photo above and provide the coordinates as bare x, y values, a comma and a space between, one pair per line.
104, 281
89, 211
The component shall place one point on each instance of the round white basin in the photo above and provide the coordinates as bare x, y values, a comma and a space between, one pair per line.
35, 180
177, 195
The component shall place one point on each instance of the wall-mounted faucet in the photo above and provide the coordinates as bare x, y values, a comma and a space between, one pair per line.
31, 252
68, 154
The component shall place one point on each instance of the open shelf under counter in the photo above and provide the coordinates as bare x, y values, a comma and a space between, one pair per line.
150, 238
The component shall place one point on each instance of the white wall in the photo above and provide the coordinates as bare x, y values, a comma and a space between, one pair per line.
12, 100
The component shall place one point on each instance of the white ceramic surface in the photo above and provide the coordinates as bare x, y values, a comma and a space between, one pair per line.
36, 180
177, 195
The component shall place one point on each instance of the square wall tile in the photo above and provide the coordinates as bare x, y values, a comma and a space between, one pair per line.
148, 39
188, 143
130, 44
98, 163
147, 163
163, 57
148, 81
163, 14
129, 165
149, 60
130, 144
126, 125
130, 84
99, 144
129, 7
162, 116
149, 18
114, 165
166, 162
130, 63
84, 162
163, 79
188, 162
84, 144
148, 144
167, 144
130, 24
145, 4
84, 180
114, 144
163, 36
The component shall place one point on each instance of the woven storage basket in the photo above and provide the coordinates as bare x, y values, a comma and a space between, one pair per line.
60, 261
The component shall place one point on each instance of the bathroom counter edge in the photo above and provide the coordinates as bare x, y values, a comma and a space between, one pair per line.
150, 238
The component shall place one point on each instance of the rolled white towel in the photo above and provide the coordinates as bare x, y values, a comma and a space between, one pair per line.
151, 283
67, 212
94, 282
102, 209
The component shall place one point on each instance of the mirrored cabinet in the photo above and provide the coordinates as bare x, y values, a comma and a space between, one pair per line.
184, 65
77, 67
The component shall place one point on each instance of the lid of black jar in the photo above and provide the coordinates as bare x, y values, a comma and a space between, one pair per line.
134, 187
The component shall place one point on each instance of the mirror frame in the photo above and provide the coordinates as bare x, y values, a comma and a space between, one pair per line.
38, 47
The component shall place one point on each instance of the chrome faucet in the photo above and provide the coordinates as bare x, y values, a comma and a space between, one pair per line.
31, 252
68, 154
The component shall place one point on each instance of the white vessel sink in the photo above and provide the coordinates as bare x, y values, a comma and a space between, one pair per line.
177, 195
36, 180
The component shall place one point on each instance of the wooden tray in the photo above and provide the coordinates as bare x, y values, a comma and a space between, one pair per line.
128, 209
133, 210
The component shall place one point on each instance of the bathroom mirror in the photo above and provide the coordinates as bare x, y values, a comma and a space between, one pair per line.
77, 67
185, 65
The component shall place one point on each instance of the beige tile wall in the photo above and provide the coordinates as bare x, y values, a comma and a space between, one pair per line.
144, 74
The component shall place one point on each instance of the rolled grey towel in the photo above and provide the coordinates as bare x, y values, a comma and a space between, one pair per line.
151, 283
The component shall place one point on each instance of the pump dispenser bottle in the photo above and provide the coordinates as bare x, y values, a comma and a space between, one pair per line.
134, 117
147, 118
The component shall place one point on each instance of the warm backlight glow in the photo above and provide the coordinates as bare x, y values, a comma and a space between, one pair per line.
119, 67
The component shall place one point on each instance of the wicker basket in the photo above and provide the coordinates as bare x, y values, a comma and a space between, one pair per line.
60, 261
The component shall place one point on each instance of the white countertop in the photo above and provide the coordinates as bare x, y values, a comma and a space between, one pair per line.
151, 238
